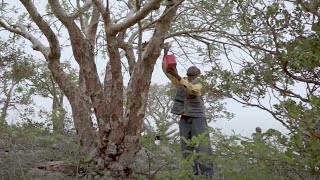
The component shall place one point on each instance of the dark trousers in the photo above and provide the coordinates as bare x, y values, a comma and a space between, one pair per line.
194, 126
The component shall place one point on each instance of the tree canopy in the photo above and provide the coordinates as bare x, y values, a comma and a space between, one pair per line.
261, 54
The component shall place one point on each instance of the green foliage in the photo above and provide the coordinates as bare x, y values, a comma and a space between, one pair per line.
23, 78
26, 145
280, 75
15, 69
265, 156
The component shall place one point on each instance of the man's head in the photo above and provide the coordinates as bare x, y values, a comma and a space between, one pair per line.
258, 130
193, 71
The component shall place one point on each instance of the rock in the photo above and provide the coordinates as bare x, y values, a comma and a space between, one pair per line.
100, 164
97, 177
58, 166
36, 173
90, 176
21, 152
165, 150
55, 146
141, 161
3, 143
93, 154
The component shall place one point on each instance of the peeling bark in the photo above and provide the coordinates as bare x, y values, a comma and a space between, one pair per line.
80, 104
119, 131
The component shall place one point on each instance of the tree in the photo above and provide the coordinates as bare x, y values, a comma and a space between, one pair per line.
23, 78
279, 44
119, 127
43, 85
15, 69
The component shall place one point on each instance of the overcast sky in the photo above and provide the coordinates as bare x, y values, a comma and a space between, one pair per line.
246, 118
244, 122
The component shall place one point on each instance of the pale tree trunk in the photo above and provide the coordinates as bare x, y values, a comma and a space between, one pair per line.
119, 127
6, 104
78, 98
80, 105
58, 112
120, 142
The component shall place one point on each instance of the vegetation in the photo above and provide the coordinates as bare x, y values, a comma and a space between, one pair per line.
261, 54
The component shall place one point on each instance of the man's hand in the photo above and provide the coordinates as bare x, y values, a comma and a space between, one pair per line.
174, 73
167, 46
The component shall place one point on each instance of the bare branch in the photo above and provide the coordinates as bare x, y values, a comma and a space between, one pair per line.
83, 20
21, 30
60, 13
188, 32
289, 93
142, 13
93, 25
74, 31
274, 114
44, 27
128, 49
82, 9
139, 33
298, 78
152, 24
104, 11
134, 117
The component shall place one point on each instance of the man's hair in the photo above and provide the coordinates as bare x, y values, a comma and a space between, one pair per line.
197, 69
258, 130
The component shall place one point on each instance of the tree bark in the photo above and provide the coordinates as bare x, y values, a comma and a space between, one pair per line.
120, 141
119, 127
4, 109
58, 112
80, 104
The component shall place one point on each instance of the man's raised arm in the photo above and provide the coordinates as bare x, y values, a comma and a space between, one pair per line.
172, 78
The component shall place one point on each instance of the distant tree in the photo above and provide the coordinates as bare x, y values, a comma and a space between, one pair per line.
22, 78
44, 86
15, 69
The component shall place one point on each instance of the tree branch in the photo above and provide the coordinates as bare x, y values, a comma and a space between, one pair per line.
93, 25
75, 33
83, 51
77, 13
60, 13
45, 28
308, 7
128, 49
54, 55
36, 44
133, 36
298, 78
104, 11
289, 93
141, 14
263, 108
146, 66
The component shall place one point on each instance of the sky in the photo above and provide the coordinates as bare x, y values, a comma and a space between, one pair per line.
245, 120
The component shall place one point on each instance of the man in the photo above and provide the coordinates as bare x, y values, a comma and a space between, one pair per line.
257, 136
189, 104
